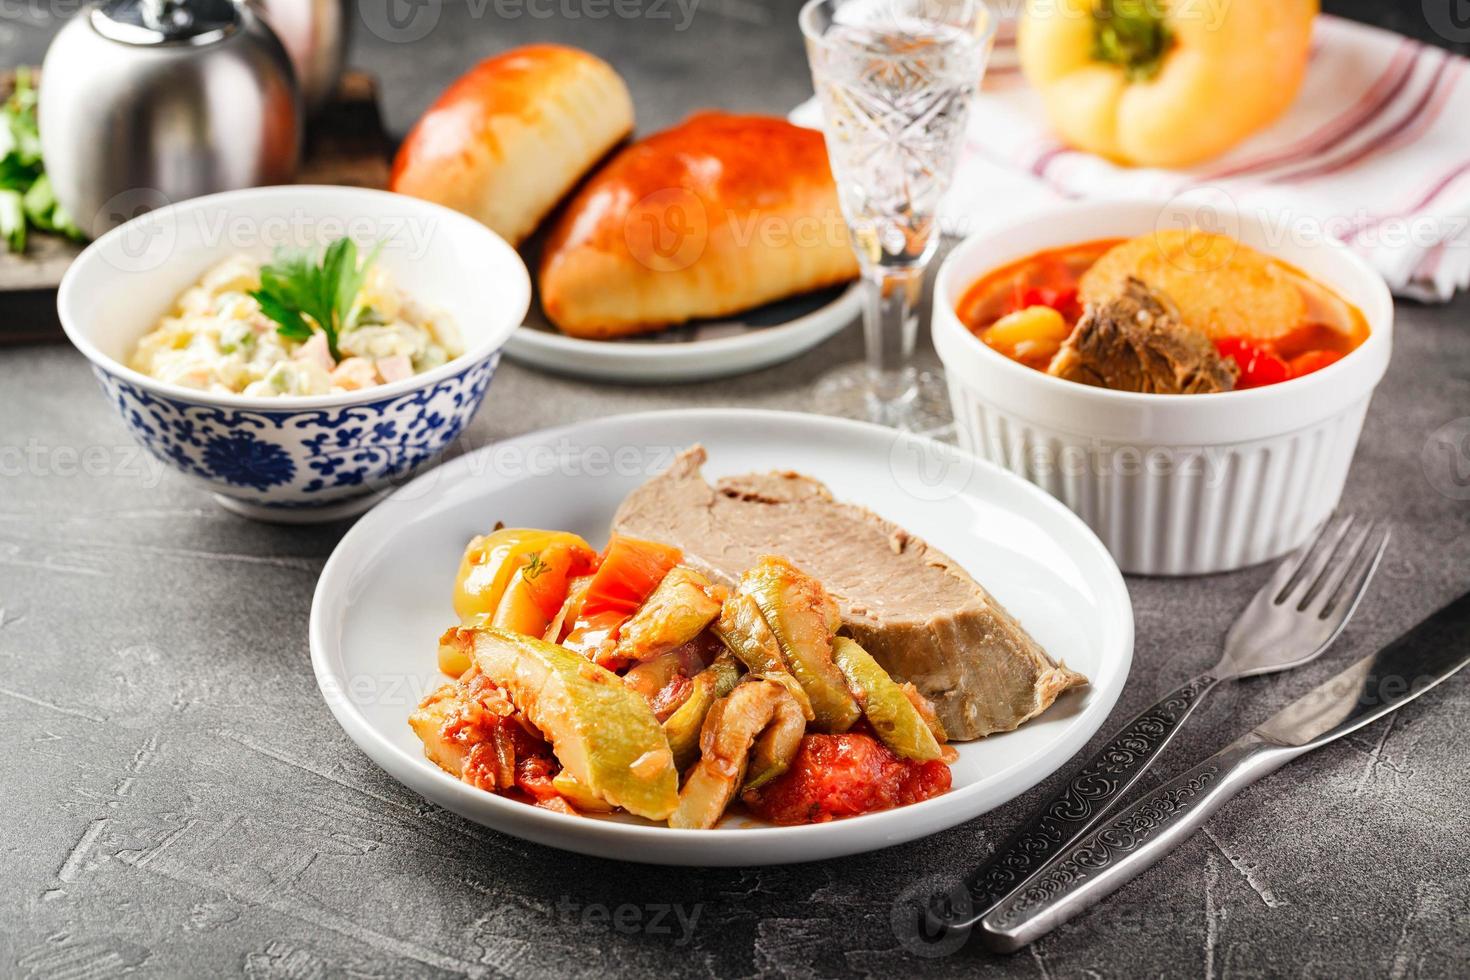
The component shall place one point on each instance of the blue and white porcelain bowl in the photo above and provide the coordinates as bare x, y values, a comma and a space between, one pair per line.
296, 459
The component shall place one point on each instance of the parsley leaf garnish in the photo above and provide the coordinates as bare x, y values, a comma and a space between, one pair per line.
25, 191
302, 294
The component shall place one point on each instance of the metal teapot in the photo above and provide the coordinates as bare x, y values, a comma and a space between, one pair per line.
145, 102
314, 33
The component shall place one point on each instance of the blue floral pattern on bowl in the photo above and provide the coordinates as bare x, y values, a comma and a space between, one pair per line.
302, 458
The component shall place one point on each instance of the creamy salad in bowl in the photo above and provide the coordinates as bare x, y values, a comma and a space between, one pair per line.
295, 385
297, 325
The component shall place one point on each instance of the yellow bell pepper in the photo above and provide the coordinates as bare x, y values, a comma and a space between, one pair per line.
491, 560
513, 578
1164, 83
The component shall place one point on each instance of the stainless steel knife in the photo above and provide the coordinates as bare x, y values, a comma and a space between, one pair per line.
1112, 855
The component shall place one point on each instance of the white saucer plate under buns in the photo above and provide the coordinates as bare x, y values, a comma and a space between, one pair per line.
697, 351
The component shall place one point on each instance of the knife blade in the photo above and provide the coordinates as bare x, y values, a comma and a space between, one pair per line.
1107, 858
1427, 654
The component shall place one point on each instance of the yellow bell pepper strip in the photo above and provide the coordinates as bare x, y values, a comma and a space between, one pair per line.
491, 560
604, 734
538, 588
456, 653
516, 578
1161, 83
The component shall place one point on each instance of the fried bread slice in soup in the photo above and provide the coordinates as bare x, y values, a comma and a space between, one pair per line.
1218, 284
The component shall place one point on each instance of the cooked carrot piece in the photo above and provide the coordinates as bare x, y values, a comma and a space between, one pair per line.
629, 571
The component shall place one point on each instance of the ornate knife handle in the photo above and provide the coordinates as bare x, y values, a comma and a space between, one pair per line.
1086, 798
1106, 859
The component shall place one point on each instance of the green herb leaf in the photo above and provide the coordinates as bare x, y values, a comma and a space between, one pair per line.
338, 282
289, 323
350, 283
13, 220
301, 294
20, 136
46, 213
20, 161
368, 317
40, 202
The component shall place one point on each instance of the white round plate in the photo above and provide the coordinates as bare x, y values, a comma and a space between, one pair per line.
698, 351
384, 597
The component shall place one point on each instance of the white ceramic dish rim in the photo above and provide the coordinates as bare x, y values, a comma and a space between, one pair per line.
655, 354
884, 828
1327, 389
517, 303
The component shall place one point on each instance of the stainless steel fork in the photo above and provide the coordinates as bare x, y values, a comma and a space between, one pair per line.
1293, 618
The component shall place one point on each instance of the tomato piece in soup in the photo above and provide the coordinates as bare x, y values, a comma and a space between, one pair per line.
1312, 360
1258, 364
1063, 299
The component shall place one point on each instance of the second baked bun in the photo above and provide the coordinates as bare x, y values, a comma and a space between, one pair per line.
508, 139
717, 215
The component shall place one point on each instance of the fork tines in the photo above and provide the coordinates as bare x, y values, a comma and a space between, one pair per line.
1334, 566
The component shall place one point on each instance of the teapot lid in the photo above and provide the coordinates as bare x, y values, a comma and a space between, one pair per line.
148, 22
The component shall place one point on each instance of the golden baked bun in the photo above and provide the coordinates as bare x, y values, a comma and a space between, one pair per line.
514, 134
719, 214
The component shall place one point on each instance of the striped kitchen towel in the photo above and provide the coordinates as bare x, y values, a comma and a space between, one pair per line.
1373, 152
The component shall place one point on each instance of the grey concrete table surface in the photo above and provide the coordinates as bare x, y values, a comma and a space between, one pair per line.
177, 800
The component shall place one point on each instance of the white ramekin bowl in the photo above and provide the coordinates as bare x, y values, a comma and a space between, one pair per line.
1172, 484
295, 459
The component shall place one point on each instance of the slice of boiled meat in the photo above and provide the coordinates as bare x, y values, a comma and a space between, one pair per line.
912, 607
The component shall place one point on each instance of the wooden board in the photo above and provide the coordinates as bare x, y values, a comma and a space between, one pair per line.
345, 144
